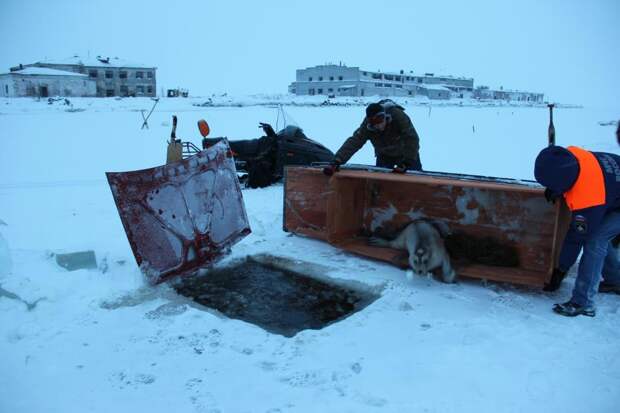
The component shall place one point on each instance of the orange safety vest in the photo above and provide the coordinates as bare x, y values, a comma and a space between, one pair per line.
589, 188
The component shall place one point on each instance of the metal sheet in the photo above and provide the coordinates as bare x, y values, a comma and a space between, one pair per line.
181, 216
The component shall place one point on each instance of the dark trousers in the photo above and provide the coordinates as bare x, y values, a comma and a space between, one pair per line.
599, 258
389, 162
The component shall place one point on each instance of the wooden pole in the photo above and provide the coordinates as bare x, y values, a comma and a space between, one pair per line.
551, 132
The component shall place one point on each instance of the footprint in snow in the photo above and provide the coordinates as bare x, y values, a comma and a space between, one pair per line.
166, 310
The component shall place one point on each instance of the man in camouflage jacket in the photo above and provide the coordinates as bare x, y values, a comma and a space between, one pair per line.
392, 134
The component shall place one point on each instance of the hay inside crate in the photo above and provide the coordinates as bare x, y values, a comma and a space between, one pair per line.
346, 208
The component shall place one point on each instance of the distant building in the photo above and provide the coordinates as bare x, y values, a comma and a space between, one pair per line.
175, 93
341, 80
44, 82
483, 92
435, 91
458, 87
112, 76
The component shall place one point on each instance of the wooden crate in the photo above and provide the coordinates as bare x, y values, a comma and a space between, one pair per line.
345, 209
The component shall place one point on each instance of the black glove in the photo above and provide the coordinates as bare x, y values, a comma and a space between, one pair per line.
401, 168
556, 279
331, 168
267, 129
550, 196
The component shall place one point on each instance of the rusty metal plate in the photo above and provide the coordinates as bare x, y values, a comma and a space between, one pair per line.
181, 216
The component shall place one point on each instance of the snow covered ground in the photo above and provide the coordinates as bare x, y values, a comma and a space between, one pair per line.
102, 340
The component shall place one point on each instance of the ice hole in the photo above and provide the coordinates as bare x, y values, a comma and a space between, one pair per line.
272, 293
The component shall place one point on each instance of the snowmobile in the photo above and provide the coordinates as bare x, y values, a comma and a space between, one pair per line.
263, 159
260, 162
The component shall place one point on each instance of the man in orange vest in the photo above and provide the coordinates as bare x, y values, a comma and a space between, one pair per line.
589, 182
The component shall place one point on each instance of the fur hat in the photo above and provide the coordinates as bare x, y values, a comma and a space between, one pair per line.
373, 110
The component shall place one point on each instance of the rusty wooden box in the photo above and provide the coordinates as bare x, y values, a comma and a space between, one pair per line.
344, 209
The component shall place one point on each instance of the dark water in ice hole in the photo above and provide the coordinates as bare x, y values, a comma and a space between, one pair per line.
276, 299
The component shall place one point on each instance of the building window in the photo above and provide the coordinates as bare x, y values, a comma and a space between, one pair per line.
109, 92
365, 73
389, 77
330, 90
310, 79
6, 89
149, 75
92, 74
149, 89
140, 89
139, 75
311, 91
124, 90
122, 74
320, 78
319, 91
331, 78
339, 77
376, 75
109, 74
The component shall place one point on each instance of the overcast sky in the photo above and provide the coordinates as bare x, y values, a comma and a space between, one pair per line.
567, 49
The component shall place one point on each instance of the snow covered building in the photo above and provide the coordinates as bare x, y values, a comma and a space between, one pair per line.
483, 92
435, 91
436, 86
341, 80
112, 76
44, 82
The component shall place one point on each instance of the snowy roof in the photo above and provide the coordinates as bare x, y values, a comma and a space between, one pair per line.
423, 75
436, 76
98, 61
46, 72
517, 91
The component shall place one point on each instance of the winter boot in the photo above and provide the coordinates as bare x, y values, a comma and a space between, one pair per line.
571, 309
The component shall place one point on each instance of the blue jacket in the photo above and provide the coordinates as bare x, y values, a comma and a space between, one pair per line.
558, 170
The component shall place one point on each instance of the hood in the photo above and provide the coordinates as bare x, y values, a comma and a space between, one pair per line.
556, 168
181, 216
